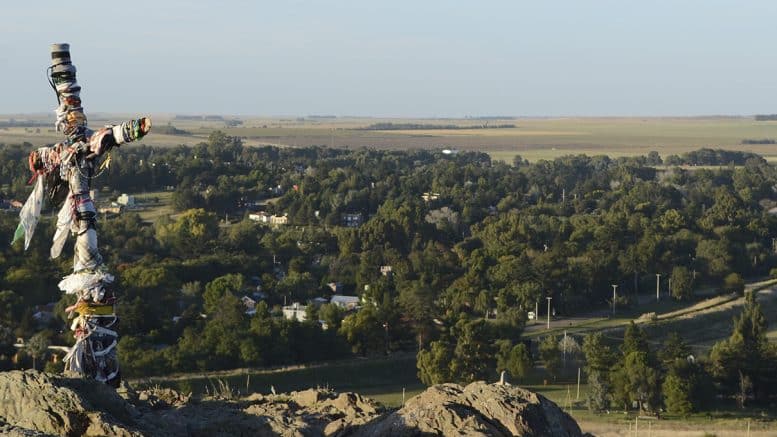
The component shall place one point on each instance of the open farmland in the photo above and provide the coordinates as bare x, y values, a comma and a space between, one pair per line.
532, 138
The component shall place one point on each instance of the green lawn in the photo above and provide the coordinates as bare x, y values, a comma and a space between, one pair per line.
153, 205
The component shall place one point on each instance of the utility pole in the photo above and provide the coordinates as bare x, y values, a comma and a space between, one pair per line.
670, 287
536, 311
614, 287
549, 299
658, 286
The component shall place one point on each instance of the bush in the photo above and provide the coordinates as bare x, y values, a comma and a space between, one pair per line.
733, 283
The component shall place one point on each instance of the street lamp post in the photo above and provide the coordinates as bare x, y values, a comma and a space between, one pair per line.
549, 299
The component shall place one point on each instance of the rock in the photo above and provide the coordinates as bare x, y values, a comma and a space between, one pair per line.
306, 398
56, 405
477, 409
39, 404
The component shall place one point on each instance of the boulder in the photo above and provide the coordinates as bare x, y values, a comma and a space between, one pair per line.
477, 409
55, 405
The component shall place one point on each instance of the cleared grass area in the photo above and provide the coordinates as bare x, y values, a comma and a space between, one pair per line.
153, 205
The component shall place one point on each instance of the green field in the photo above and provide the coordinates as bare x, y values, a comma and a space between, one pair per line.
381, 378
532, 138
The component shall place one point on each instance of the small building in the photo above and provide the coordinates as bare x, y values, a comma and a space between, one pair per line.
261, 217
386, 270
279, 219
295, 311
114, 208
428, 197
248, 302
345, 302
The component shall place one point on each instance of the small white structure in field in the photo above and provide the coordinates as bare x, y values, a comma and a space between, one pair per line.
126, 200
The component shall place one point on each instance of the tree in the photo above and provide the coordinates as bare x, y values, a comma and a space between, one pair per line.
674, 348
216, 289
634, 340
190, 233
472, 355
331, 314
634, 380
599, 356
514, 359
550, 355
363, 331
682, 283
733, 283
687, 386
597, 397
37, 346
677, 393
434, 364
746, 356
417, 302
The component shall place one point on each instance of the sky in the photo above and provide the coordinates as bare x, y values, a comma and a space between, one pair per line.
398, 58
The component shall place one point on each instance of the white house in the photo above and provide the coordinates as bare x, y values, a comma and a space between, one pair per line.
295, 311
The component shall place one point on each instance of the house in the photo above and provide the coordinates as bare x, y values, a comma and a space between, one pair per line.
249, 303
336, 287
279, 219
261, 217
15, 204
295, 311
345, 302
428, 197
385, 270
352, 220
115, 208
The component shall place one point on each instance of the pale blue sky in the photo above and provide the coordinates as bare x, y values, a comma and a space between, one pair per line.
398, 58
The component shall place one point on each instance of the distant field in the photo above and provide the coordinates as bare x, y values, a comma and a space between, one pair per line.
532, 138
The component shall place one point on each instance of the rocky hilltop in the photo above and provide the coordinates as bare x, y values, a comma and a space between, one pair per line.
40, 404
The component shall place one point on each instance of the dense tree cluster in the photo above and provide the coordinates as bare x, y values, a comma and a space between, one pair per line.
451, 253
636, 376
717, 156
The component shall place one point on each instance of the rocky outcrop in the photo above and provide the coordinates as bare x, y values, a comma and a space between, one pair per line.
34, 403
477, 409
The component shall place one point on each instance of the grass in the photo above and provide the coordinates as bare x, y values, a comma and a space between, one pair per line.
382, 378
154, 205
